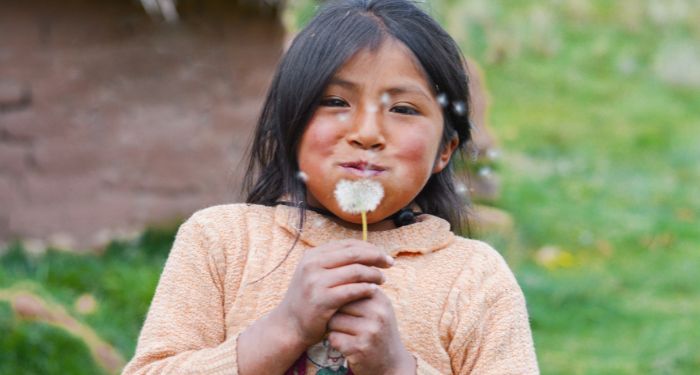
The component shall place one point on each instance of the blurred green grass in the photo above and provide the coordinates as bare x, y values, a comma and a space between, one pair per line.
600, 164
122, 280
600, 170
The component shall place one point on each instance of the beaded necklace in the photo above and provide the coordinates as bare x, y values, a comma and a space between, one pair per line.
328, 361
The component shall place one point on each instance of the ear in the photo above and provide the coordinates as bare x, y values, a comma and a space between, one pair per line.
445, 154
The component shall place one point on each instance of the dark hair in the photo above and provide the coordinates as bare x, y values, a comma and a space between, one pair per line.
339, 31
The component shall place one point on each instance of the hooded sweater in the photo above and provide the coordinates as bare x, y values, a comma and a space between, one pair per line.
458, 306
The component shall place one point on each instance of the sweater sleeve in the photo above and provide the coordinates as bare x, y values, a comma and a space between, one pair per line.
490, 327
184, 331
423, 368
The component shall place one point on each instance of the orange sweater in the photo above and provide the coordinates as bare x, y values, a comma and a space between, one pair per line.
458, 306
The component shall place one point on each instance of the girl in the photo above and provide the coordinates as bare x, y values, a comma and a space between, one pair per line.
371, 91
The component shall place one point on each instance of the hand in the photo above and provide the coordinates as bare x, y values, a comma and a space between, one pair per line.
326, 278
367, 334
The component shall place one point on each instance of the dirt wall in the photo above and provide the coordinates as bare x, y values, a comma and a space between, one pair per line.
110, 120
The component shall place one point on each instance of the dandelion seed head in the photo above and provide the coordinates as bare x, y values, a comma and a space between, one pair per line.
461, 188
485, 171
372, 108
385, 99
458, 107
493, 154
442, 99
343, 117
318, 222
302, 176
357, 196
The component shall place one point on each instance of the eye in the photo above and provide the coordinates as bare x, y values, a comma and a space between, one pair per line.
405, 110
333, 102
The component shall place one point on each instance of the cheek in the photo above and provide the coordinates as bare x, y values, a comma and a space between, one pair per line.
317, 147
417, 151
319, 138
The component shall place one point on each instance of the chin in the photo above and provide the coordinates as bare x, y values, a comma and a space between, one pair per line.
350, 218
372, 217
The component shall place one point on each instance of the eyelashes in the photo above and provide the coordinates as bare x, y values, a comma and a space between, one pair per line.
405, 110
334, 102
341, 103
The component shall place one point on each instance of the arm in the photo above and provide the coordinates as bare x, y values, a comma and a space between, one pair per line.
490, 327
184, 329
326, 278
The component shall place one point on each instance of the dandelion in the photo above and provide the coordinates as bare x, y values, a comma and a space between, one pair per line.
461, 188
302, 176
442, 99
459, 108
372, 108
342, 117
493, 154
360, 196
385, 99
485, 171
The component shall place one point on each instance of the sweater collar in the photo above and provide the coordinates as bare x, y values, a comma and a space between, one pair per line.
428, 234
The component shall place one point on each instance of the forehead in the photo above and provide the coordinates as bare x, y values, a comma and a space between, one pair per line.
391, 61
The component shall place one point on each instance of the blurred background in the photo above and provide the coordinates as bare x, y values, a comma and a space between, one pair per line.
120, 118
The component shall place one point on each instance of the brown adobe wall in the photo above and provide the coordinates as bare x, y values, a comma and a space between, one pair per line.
110, 121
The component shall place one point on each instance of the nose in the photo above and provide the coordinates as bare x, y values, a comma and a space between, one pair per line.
367, 132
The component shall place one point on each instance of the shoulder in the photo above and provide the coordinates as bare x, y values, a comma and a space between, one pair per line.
482, 265
223, 232
229, 223
230, 213
474, 254
229, 217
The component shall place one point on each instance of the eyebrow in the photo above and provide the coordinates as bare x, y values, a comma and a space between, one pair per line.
397, 90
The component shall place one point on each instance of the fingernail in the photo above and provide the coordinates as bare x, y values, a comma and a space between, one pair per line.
390, 260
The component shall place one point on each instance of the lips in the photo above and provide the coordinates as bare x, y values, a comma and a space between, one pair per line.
362, 168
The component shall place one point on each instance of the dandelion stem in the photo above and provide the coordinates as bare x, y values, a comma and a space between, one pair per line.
364, 225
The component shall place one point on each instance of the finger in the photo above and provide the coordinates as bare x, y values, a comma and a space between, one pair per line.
342, 342
346, 293
378, 306
353, 273
345, 323
359, 308
352, 251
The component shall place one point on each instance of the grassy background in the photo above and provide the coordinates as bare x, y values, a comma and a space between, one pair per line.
601, 169
597, 114
122, 280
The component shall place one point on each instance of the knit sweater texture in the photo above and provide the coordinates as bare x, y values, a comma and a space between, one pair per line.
458, 307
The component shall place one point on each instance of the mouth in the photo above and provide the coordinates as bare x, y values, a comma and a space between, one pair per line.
362, 168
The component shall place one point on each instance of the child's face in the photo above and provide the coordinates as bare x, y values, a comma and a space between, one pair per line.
378, 119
